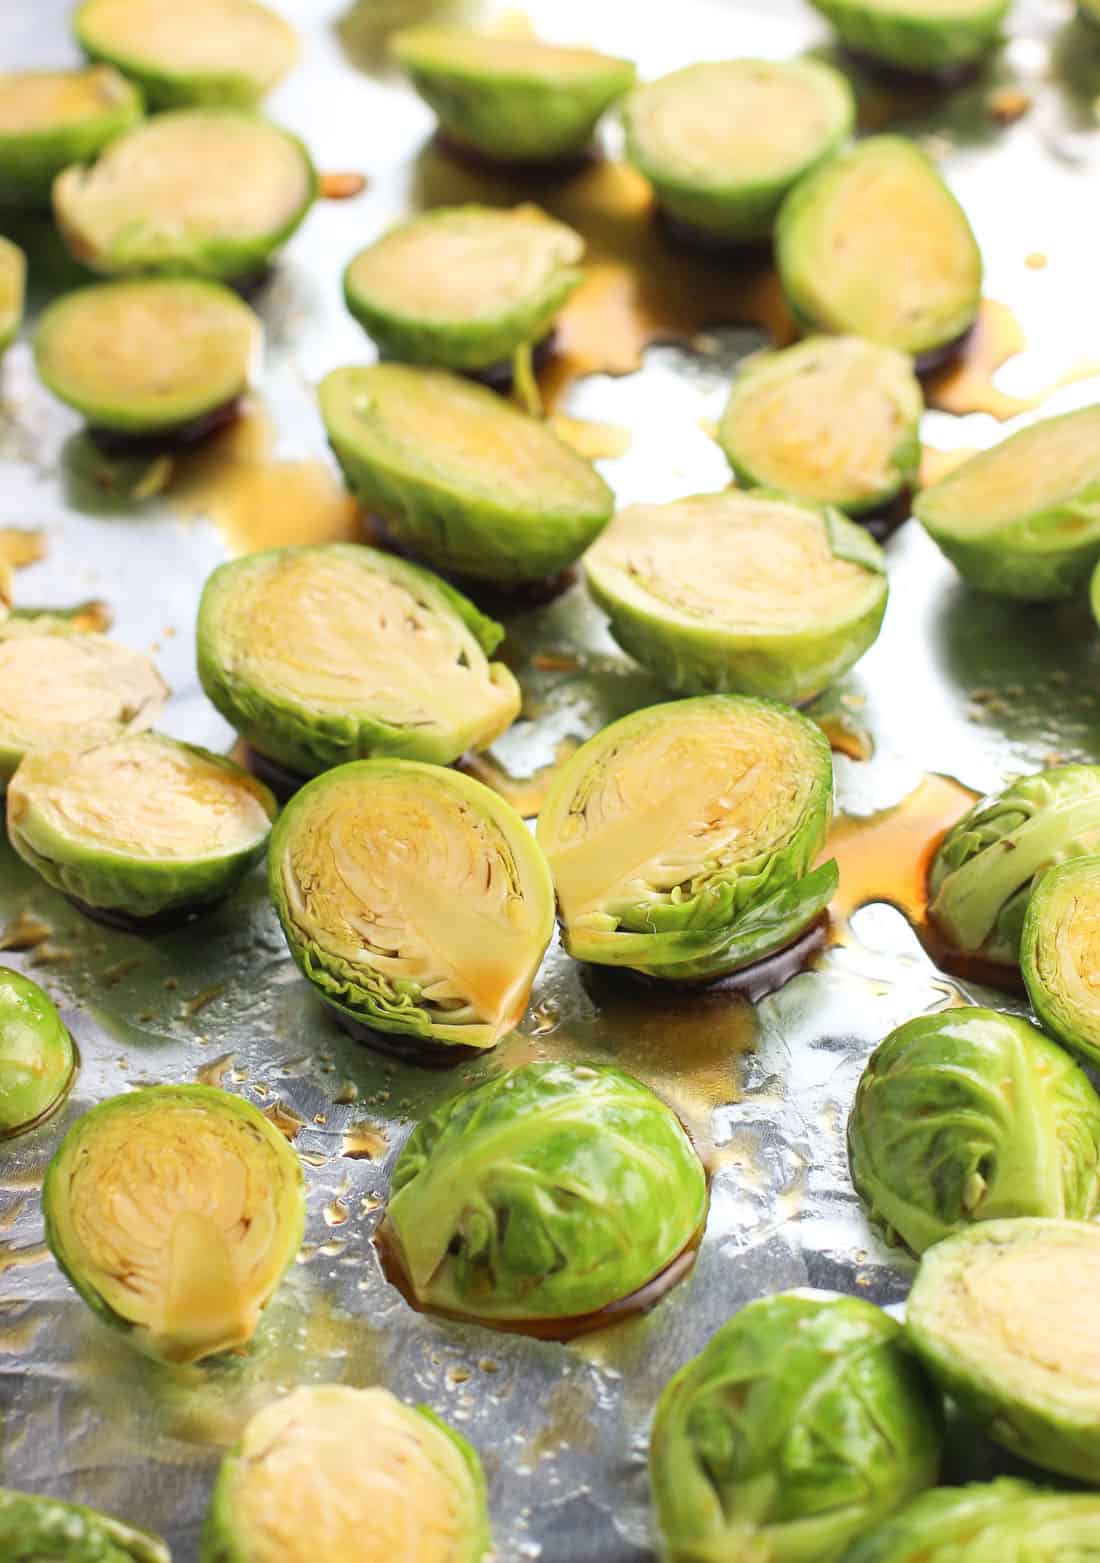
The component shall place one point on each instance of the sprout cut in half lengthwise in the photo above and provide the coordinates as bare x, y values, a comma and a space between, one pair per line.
1003, 1317
1060, 955
49, 119
873, 244
1023, 520
414, 899
919, 37
723, 142
175, 1211
803, 1422
138, 827
750, 592
13, 282
682, 839
549, 1193
323, 655
511, 99
205, 192
969, 1116
470, 484
38, 1061
338, 1473
988, 1522
36, 1529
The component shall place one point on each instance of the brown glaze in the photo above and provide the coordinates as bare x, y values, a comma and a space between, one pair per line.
364, 1142
753, 982
846, 737
929, 83
411, 1050
341, 187
289, 1123
215, 1071
127, 922
20, 546
966, 385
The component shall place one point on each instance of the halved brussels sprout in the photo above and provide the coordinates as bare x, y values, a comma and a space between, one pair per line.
546, 1194
414, 899
682, 838
13, 281
139, 826
984, 869
1059, 955
921, 37
38, 1062
511, 99
464, 286
874, 244
36, 1529
1002, 1315
802, 1422
465, 480
753, 592
49, 119
322, 655
206, 192
723, 142
148, 355
833, 420
970, 1115
1023, 519
206, 52
175, 1211
339, 1473
988, 1522
60, 686
1089, 11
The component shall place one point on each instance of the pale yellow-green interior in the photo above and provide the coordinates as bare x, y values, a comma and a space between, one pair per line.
1044, 465
947, 9
486, 54
57, 688
44, 100
1069, 946
200, 36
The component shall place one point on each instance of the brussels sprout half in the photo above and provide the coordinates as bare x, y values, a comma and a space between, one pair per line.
13, 281
833, 420
985, 867
1058, 956
465, 480
321, 655
1023, 520
724, 141
175, 1211
873, 244
339, 1473
682, 838
140, 826
803, 1422
38, 1061
36, 1529
414, 899
988, 1522
205, 52
922, 37
511, 99
545, 1194
970, 1115
1002, 1315
753, 592
49, 119
464, 286
205, 192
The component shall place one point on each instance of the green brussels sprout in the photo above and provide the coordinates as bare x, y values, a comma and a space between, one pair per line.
511, 99
204, 192
38, 1061
150, 354
175, 1211
753, 592
970, 1115
987, 1522
138, 826
1001, 1314
36, 1529
1023, 520
833, 420
920, 37
802, 1422
1089, 12
414, 899
546, 1194
984, 869
723, 142
337, 1473
465, 480
49, 119
873, 244
211, 52
464, 287
682, 839
13, 281
1058, 955
321, 655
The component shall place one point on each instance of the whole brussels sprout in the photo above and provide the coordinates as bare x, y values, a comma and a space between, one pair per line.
1002, 1316
35, 1529
338, 1473
38, 1061
544, 1195
51, 119
1058, 956
803, 1422
984, 869
174, 1211
921, 37
988, 1522
13, 278
968, 1116
683, 838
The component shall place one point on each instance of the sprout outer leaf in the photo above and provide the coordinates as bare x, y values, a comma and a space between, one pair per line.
986, 1522
34, 1528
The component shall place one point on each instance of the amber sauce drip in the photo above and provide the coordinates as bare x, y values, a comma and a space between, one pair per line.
364, 1142
341, 187
20, 546
936, 464
966, 384
215, 1071
846, 737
